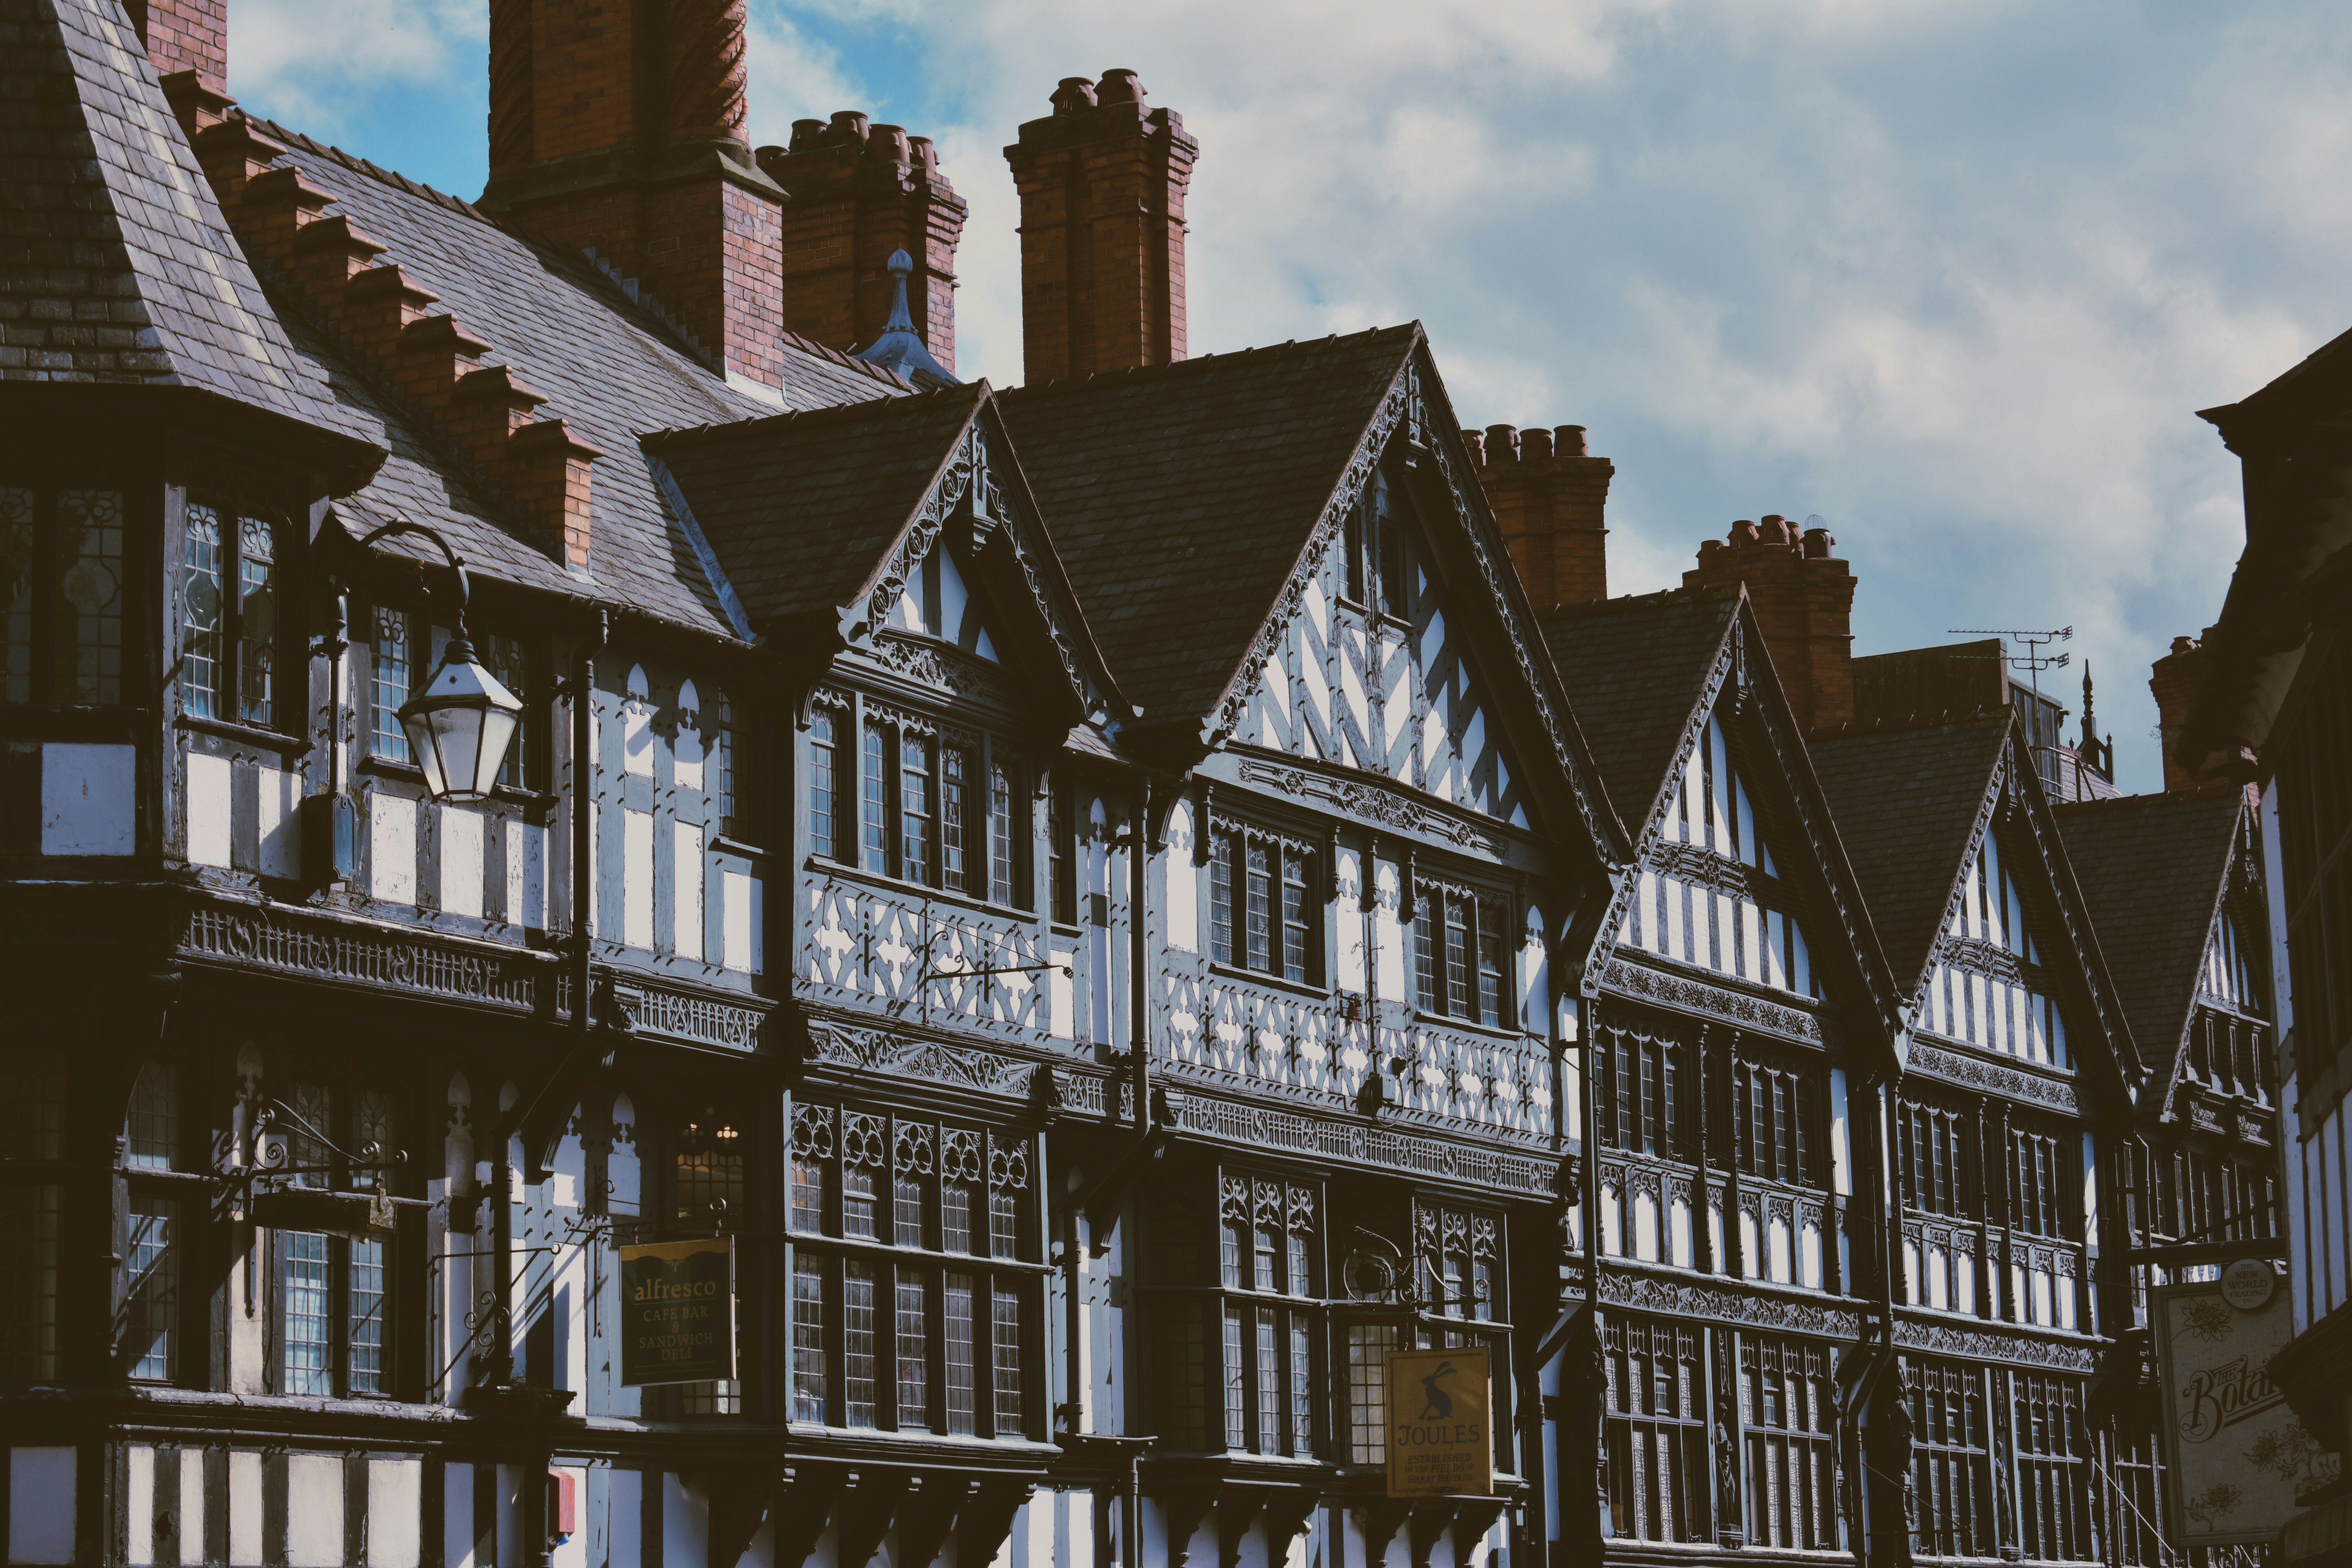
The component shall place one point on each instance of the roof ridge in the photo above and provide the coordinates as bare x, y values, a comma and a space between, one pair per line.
2202, 795
358, 165
1947, 720
644, 298
1067, 384
1720, 593
689, 432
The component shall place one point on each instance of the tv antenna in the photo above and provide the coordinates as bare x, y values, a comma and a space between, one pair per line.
2033, 661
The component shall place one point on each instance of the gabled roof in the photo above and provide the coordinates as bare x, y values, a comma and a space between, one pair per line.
608, 365
802, 509
1182, 496
2154, 869
1907, 802
1913, 801
120, 268
809, 515
1642, 674
1634, 669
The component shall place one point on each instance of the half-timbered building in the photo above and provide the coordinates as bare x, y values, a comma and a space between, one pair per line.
1111, 898
1737, 1023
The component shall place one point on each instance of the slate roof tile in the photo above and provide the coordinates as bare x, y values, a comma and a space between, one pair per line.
1634, 669
1179, 496
799, 508
2152, 869
609, 366
107, 218
1905, 802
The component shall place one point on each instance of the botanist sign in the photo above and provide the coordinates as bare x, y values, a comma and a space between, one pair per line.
2238, 1456
1440, 1437
678, 1312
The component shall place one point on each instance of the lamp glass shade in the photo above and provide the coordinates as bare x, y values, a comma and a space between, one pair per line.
460, 726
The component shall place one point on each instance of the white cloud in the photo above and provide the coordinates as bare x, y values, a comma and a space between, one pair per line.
308, 59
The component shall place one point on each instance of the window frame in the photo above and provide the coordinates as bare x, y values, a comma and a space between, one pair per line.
345, 1101
849, 1169
880, 779
233, 662
49, 650
1237, 884
1432, 959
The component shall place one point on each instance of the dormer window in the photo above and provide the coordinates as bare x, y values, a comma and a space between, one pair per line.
1375, 548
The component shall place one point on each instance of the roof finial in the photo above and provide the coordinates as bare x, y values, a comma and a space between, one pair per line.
900, 347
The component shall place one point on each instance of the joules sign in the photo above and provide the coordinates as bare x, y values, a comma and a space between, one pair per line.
678, 1312
1441, 1435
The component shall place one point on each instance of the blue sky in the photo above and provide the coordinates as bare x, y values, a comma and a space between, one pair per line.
1955, 276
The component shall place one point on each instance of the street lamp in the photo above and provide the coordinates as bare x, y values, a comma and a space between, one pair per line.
460, 725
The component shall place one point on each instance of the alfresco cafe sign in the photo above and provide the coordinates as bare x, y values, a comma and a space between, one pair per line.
2238, 1454
678, 1312
1440, 1437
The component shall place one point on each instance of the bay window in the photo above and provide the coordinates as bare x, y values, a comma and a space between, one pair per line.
917, 1285
1255, 1335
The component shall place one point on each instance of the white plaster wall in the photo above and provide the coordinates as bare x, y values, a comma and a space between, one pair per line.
139, 1504
392, 847
394, 1512
458, 1516
193, 1504
314, 1510
89, 799
279, 820
211, 781
245, 1508
41, 1505
461, 861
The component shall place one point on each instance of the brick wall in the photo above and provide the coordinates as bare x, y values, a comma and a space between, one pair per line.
185, 36
1803, 597
1548, 496
1102, 183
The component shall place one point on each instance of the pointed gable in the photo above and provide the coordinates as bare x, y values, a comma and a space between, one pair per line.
1735, 854
829, 528
1368, 671
1962, 860
2157, 873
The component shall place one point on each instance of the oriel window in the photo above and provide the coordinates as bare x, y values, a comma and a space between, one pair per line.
905, 1318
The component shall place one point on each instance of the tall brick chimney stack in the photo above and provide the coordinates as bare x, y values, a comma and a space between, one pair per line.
1102, 183
860, 192
1804, 603
618, 129
2174, 680
185, 36
1548, 494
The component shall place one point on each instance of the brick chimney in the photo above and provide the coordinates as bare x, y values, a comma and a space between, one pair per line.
185, 36
1804, 603
1102, 183
860, 192
2174, 680
1548, 494
618, 129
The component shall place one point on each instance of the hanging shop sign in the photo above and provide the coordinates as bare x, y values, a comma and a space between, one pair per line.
1440, 1437
2236, 1453
678, 1312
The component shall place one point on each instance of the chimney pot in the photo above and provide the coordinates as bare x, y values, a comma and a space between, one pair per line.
1535, 444
1476, 441
1820, 545
888, 142
1569, 440
1743, 533
805, 134
849, 125
2184, 644
1502, 443
925, 155
1102, 231
1774, 529
1708, 549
